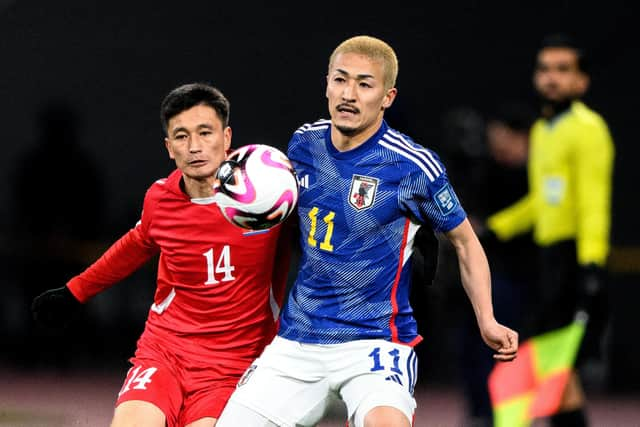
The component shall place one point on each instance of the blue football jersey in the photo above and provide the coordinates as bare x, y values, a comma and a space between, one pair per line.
359, 211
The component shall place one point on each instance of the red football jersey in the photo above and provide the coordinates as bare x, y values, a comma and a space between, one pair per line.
214, 279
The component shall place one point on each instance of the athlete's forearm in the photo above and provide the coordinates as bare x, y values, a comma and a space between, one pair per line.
474, 271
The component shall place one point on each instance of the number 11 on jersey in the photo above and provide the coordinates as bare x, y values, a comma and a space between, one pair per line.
328, 219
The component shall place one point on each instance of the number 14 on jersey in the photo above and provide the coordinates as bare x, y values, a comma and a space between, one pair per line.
222, 267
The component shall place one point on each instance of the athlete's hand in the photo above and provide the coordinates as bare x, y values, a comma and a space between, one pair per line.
501, 339
55, 308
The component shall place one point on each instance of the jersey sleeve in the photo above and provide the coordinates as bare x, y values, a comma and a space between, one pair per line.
292, 145
122, 258
594, 164
431, 200
513, 220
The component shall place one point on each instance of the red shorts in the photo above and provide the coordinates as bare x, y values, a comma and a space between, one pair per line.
185, 390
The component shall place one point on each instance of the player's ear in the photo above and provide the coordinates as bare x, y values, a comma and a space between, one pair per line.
167, 144
227, 138
389, 98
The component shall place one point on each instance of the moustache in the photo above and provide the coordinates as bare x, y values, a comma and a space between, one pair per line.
348, 107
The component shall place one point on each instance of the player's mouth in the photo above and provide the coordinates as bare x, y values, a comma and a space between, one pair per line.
197, 163
347, 109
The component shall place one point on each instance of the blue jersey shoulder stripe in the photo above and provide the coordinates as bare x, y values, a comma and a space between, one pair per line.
420, 149
422, 152
405, 150
410, 157
319, 124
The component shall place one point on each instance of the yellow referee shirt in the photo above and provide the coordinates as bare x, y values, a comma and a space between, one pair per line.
570, 177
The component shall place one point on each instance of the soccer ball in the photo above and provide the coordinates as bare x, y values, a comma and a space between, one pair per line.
256, 187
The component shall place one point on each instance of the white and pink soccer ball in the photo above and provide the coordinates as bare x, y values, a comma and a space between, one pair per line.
256, 187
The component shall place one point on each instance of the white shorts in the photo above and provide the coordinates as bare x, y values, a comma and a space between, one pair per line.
292, 384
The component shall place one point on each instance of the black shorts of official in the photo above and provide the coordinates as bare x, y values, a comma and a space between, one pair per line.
557, 297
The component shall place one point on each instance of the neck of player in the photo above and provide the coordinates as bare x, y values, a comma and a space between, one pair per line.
197, 188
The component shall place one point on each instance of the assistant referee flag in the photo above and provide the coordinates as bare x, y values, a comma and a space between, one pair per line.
532, 385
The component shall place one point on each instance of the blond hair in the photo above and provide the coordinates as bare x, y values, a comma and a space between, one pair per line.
374, 49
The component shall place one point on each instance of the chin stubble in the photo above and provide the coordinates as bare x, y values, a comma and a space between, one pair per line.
347, 131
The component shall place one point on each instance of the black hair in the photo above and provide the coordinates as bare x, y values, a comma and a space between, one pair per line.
187, 96
563, 40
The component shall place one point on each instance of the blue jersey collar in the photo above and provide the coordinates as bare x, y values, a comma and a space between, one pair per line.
362, 148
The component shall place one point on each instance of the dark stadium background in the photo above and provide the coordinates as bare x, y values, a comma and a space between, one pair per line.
105, 66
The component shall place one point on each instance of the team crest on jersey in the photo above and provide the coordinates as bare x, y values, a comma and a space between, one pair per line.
246, 375
363, 191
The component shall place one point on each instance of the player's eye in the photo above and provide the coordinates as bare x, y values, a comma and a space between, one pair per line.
205, 133
180, 137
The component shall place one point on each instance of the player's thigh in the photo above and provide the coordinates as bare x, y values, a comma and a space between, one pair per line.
203, 422
384, 416
380, 377
150, 388
138, 413
373, 401
205, 399
283, 400
286, 384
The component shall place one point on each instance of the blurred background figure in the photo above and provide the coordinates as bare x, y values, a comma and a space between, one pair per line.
438, 303
58, 204
465, 152
567, 207
506, 182
489, 152
507, 138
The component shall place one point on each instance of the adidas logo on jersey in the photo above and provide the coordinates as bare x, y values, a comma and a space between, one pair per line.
303, 181
394, 378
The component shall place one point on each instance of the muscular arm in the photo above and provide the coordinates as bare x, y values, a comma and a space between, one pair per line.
476, 279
